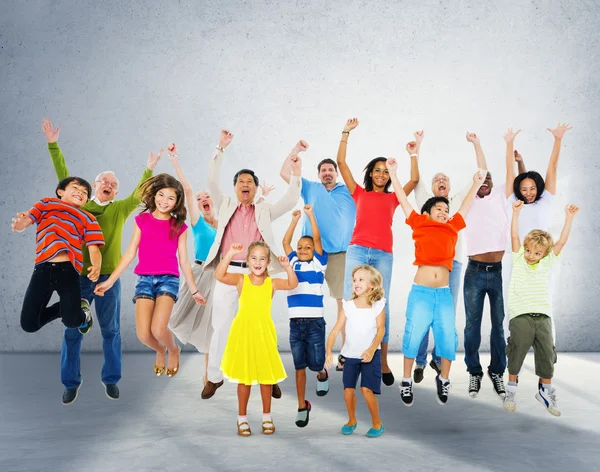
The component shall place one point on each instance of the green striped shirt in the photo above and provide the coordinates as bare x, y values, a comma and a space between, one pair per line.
528, 291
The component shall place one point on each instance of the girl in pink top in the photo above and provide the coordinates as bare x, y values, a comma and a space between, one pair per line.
372, 239
159, 237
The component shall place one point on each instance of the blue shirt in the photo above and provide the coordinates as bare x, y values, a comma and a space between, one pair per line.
204, 236
335, 212
306, 300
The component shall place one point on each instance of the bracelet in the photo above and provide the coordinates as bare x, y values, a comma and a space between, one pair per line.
195, 293
220, 148
346, 132
414, 155
174, 155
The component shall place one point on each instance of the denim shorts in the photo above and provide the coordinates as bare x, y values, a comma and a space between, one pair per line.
370, 373
307, 340
151, 287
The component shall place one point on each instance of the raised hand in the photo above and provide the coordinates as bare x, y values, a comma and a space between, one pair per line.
296, 214
284, 261
236, 248
225, 138
478, 178
308, 209
472, 138
351, 124
296, 162
571, 210
510, 135
419, 135
392, 165
517, 206
411, 147
301, 146
560, 130
199, 298
266, 189
49, 131
518, 157
172, 150
94, 273
21, 222
153, 160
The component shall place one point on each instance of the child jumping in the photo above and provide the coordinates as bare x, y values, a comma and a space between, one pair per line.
529, 307
251, 355
62, 228
305, 303
363, 317
160, 234
430, 302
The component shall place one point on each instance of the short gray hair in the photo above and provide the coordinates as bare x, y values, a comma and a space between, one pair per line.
99, 176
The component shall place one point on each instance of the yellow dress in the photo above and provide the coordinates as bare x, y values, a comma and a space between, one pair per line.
251, 356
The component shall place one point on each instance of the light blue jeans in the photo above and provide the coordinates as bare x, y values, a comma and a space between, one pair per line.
454, 290
380, 260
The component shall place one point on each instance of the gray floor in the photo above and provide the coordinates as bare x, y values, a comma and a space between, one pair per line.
161, 424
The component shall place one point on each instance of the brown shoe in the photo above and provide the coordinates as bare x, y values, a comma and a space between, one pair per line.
276, 393
209, 389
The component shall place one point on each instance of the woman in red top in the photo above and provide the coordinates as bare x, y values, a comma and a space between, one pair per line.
372, 239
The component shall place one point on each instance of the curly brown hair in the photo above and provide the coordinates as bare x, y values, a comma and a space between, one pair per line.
377, 292
147, 192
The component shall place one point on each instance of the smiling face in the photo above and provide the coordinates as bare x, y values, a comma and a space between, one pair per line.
165, 200
486, 186
361, 283
245, 189
205, 203
528, 189
328, 175
440, 185
439, 212
380, 175
534, 253
106, 187
258, 260
305, 249
74, 194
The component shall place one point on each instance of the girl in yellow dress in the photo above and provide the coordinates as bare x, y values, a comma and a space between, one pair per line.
251, 355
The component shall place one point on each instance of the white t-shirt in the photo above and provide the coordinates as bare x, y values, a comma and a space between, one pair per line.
537, 215
488, 223
361, 327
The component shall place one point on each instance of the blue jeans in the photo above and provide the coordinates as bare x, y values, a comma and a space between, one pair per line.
108, 315
382, 261
454, 288
482, 279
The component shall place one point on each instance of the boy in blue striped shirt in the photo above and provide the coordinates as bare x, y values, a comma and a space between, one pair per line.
305, 303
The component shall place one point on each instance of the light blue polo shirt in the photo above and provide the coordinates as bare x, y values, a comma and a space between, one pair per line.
335, 212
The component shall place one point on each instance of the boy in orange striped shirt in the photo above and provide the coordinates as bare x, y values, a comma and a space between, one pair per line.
62, 229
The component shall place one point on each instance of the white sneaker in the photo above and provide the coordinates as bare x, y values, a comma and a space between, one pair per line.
548, 399
510, 402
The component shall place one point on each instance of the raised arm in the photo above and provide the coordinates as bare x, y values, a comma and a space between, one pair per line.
514, 226
392, 166
479, 155
287, 237
571, 211
337, 328
413, 150
341, 155
221, 271
421, 195
292, 194
187, 187
58, 160
186, 268
132, 201
520, 163
286, 168
558, 133
292, 279
468, 200
509, 139
214, 169
316, 233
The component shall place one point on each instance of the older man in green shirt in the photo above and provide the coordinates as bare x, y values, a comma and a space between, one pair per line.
111, 215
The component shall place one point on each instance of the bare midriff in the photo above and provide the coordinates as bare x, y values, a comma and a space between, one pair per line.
488, 257
432, 276
60, 257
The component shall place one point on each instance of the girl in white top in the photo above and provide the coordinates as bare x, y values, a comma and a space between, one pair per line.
363, 317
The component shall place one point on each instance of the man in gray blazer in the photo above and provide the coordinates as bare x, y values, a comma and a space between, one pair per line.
240, 221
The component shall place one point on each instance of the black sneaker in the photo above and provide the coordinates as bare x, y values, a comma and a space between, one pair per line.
70, 395
475, 384
89, 322
498, 383
111, 391
434, 365
418, 374
406, 393
442, 390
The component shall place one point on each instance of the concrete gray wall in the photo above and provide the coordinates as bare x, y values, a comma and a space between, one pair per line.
123, 78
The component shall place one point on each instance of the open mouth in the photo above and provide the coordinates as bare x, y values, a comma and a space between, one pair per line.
106, 192
206, 207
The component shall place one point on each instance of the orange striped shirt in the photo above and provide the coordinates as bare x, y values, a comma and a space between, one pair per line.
63, 227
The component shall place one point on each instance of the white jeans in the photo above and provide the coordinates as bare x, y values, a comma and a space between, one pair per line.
225, 305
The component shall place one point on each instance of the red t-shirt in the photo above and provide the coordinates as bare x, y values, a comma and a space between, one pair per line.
435, 242
374, 217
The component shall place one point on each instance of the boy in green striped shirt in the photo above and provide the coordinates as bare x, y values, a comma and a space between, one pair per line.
529, 307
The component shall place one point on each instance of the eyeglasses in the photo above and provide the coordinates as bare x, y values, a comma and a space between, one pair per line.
112, 185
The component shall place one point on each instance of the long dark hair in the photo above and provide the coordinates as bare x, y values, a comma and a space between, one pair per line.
533, 175
368, 180
150, 188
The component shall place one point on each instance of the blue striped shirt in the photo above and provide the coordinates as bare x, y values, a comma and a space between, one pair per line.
306, 300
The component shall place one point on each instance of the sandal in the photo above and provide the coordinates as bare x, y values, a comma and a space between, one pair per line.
244, 431
268, 427
172, 372
340, 364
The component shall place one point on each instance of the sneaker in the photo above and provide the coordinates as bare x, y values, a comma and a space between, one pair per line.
442, 390
323, 385
111, 391
475, 384
510, 402
89, 322
435, 366
548, 399
406, 393
70, 395
498, 383
418, 374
